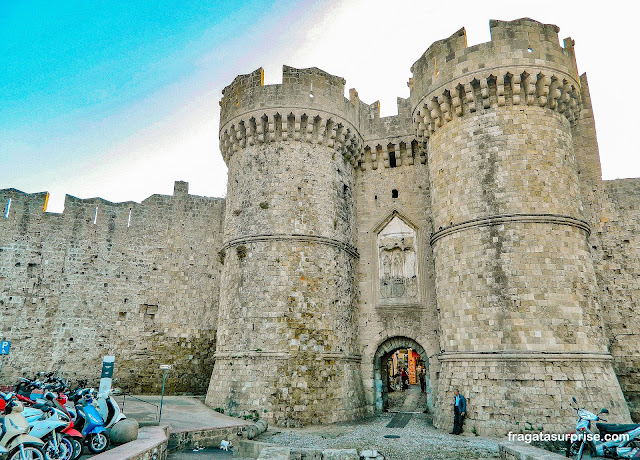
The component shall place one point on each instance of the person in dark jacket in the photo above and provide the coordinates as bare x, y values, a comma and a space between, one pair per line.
422, 375
405, 379
459, 411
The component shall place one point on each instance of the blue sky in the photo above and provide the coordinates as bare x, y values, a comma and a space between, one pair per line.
120, 99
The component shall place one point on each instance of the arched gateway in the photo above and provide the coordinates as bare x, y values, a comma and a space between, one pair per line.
380, 374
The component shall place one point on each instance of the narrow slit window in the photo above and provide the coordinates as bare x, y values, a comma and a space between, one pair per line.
394, 193
392, 159
6, 211
129, 219
95, 217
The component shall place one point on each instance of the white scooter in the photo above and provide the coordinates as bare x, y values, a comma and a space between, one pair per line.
108, 409
13, 432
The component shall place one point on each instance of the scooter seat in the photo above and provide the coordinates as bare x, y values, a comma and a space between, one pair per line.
616, 428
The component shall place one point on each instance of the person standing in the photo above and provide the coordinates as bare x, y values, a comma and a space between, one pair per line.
398, 378
459, 411
422, 375
405, 379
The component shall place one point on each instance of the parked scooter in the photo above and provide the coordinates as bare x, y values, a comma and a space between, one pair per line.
625, 442
42, 392
109, 409
48, 423
13, 432
89, 422
75, 437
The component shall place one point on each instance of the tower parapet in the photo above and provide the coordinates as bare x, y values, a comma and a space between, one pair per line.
308, 106
523, 64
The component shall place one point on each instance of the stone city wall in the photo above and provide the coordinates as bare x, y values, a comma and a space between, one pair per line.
615, 245
138, 281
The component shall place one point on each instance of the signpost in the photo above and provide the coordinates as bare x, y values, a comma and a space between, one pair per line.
165, 368
5, 346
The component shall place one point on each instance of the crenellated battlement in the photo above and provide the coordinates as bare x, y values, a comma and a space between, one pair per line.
392, 152
309, 106
19, 207
310, 126
515, 86
300, 89
522, 64
14, 201
390, 142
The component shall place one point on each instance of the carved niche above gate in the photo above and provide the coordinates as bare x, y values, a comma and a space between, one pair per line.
397, 263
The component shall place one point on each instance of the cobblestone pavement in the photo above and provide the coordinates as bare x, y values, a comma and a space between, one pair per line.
418, 440
411, 400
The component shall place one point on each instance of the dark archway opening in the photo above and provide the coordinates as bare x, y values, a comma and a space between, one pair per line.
396, 390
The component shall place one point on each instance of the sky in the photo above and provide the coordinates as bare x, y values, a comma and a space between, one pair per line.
119, 99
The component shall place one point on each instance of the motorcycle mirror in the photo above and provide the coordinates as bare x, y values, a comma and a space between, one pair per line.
604, 411
574, 399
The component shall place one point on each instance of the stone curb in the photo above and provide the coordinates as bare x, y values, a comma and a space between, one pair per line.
264, 450
516, 451
275, 453
151, 444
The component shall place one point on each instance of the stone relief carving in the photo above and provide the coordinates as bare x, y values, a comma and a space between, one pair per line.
397, 262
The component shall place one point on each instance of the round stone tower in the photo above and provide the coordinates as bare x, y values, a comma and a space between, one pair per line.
287, 333
520, 325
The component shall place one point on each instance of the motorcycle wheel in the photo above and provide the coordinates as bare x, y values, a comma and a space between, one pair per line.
77, 448
65, 450
98, 443
30, 453
577, 449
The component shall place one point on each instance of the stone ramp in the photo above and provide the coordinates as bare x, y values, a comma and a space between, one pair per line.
410, 400
179, 412
185, 422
